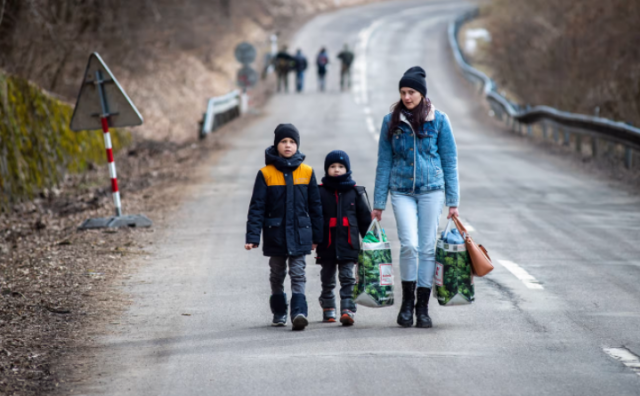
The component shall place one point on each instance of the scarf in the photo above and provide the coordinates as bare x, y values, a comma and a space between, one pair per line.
339, 183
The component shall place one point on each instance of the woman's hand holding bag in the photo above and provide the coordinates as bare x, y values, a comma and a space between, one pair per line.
480, 260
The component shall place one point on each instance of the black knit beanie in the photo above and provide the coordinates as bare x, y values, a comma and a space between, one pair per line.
415, 78
286, 131
339, 157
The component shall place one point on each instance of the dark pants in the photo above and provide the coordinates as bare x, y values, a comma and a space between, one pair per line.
283, 81
345, 78
299, 81
347, 278
321, 81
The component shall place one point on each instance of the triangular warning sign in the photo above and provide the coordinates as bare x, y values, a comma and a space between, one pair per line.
99, 84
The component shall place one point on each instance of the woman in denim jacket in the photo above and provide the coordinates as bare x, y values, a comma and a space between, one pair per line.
418, 163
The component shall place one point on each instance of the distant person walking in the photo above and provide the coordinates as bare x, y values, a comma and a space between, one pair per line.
346, 58
322, 61
301, 66
418, 163
283, 63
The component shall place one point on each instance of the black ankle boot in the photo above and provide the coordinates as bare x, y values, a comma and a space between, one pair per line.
299, 311
405, 316
422, 308
279, 307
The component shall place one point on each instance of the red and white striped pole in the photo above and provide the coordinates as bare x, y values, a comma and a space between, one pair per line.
104, 118
112, 166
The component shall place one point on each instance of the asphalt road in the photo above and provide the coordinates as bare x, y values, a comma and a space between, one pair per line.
566, 246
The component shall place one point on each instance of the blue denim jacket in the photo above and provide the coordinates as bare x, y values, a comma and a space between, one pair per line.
408, 164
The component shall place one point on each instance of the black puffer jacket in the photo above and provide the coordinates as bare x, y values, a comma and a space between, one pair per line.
285, 205
346, 215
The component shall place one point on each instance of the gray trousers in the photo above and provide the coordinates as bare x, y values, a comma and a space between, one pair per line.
297, 265
345, 275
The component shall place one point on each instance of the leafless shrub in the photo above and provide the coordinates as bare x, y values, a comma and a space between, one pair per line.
573, 55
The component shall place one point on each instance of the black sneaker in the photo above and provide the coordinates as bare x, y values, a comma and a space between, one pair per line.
299, 311
279, 308
300, 322
279, 320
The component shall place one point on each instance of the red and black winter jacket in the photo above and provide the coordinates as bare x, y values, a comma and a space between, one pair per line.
346, 215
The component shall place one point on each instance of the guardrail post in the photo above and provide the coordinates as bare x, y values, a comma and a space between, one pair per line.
556, 134
567, 139
611, 148
529, 131
594, 147
628, 157
544, 130
579, 143
497, 112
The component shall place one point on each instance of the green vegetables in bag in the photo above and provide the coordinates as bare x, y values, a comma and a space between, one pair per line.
374, 286
454, 286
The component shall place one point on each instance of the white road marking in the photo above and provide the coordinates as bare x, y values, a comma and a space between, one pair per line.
626, 357
367, 110
370, 126
361, 59
528, 280
468, 226
360, 95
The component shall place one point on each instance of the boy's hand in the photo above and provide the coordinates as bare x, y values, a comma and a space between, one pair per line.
250, 246
314, 246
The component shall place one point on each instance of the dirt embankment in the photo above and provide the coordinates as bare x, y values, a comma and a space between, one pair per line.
169, 55
578, 56
57, 283
533, 54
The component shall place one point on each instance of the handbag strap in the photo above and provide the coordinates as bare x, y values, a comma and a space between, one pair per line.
460, 227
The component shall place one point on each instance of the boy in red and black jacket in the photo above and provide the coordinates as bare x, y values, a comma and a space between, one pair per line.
347, 216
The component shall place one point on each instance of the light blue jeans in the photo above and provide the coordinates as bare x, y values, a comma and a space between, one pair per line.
417, 217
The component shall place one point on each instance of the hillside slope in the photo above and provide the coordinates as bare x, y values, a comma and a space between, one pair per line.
169, 55
578, 56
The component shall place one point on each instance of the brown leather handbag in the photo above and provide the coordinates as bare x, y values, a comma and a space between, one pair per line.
480, 260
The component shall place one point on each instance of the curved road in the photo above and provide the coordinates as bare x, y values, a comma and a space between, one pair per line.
566, 246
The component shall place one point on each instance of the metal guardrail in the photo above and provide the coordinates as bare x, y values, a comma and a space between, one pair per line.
560, 121
220, 110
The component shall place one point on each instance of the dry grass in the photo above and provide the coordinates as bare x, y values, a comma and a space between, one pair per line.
573, 55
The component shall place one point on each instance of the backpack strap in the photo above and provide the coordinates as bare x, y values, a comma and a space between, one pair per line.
361, 190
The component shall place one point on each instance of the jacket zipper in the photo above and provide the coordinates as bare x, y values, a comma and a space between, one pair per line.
338, 221
414, 157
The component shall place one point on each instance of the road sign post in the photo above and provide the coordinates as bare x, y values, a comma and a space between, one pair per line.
247, 77
102, 103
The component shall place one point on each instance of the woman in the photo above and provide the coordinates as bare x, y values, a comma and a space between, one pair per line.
418, 163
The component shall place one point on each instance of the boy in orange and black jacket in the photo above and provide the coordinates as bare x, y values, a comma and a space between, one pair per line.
286, 205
